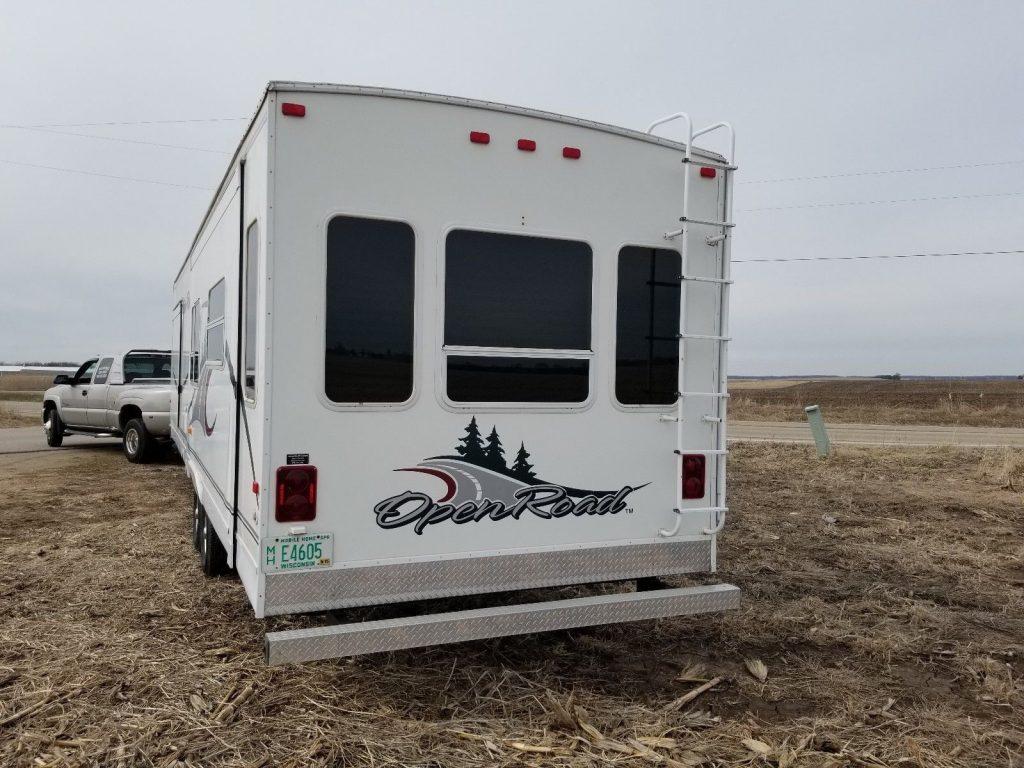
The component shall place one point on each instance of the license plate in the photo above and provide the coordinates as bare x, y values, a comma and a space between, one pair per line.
307, 550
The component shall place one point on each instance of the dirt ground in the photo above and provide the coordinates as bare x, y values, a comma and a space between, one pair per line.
964, 402
883, 593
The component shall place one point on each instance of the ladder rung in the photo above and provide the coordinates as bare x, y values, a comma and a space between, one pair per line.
717, 280
702, 394
712, 419
703, 337
701, 509
710, 164
707, 451
708, 222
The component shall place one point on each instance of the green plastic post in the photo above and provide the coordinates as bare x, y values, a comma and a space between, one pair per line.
817, 423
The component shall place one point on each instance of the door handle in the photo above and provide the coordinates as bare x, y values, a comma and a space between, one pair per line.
85, 392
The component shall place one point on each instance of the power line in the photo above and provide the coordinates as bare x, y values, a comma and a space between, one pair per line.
106, 175
114, 138
877, 202
883, 172
129, 122
892, 256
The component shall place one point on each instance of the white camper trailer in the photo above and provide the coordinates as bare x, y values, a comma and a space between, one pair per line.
427, 346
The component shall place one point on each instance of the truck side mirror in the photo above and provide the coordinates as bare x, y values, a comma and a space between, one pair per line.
62, 378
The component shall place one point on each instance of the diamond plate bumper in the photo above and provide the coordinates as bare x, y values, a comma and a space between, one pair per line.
323, 590
299, 645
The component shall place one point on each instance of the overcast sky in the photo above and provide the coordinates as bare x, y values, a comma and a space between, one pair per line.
813, 88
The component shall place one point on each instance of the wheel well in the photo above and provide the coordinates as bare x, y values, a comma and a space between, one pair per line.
48, 406
128, 413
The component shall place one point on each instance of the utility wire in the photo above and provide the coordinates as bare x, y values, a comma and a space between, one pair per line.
106, 175
117, 139
882, 172
128, 122
864, 258
877, 202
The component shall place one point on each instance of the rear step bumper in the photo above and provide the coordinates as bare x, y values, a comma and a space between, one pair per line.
299, 645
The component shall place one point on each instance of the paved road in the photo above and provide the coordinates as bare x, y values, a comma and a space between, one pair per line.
875, 434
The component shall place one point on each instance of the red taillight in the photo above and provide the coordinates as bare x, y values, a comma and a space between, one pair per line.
708, 173
296, 494
693, 475
256, 488
527, 145
573, 153
479, 137
293, 110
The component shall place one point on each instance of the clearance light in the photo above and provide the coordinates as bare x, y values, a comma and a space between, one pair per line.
479, 137
573, 153
708, 173
693, 475
293, 110
296, 494
527, 145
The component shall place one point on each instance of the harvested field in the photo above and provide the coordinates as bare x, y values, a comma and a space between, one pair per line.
884, 595
13, 416
965, 402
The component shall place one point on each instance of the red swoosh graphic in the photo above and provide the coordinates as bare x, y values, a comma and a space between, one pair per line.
447, 479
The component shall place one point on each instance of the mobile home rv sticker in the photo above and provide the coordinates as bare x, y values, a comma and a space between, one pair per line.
479, 485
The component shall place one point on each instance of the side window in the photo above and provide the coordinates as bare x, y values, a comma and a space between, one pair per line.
84, 374
252, 262
369, 311
103, 370
146, 365
215, 325
647, 326
517, 315
194, 349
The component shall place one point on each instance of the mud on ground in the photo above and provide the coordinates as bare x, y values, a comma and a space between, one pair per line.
884, 595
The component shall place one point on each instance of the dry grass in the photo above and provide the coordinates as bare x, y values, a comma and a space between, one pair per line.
965, 402
25, 381
11, 416
892, 635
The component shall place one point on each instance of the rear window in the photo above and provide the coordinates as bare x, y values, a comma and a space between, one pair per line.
147, 365
369, 311
517, 318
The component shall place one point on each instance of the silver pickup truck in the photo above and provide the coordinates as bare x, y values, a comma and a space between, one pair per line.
126, 395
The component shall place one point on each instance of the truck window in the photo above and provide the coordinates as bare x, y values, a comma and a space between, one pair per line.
517, 318
647, 326
84, 374
103, 370
215, 324
368, 356
252, 245
146, 365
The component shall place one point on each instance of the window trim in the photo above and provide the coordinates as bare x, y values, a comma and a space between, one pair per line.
217, 364
417, 308
442, 350
243, 372
614, 340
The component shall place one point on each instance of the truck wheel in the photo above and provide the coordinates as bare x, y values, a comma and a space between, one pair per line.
197, 520
212, 555
54, 426
137, 442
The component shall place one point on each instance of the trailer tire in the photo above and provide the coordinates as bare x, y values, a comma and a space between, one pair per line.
197, 525
212, 555
137, 442
54, 426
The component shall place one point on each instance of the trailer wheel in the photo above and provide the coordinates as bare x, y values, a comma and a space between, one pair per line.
54, 426
197, 524
212, 555
137, 442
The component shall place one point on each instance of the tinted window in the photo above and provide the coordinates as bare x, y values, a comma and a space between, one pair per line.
216, 302
215, 343
252, 244
647, 326
196, 336
515, 291
517, 379
215, 324
369, 319
147, 365
103, 370
84, 373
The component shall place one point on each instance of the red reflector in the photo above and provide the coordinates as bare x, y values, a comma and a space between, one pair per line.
527, 145
255, 487
479, 137
693, 475
708, 173
296, 494
573, 153
293, 110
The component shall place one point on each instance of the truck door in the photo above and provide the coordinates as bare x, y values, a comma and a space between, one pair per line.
96, 400
74, 404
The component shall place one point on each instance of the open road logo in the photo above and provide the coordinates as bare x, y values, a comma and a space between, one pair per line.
480, 486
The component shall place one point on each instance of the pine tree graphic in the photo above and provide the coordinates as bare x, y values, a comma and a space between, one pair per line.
494, 454
521, 468
471, 447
